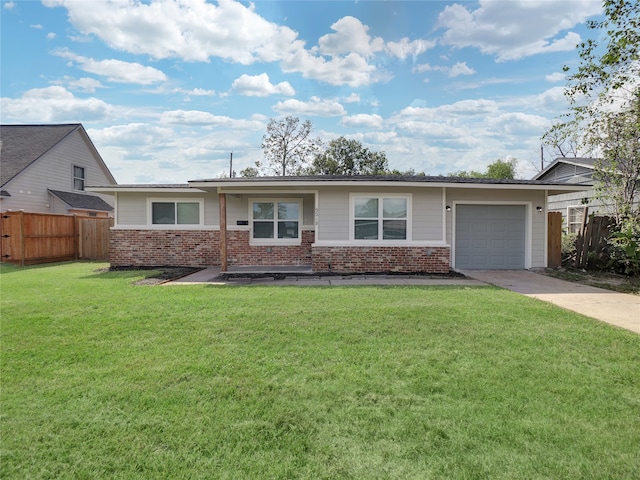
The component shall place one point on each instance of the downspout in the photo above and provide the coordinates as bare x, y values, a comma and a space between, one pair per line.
223, 231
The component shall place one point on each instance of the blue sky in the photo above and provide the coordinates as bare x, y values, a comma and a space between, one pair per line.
168, 89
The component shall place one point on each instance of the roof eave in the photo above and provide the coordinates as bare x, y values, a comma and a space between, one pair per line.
214, 185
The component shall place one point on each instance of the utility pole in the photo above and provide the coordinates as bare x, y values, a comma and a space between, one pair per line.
231, 165
541, 158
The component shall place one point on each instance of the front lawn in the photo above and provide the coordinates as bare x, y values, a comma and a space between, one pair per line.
105, 379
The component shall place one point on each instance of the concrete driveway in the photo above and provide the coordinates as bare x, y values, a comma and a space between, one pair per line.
619, 309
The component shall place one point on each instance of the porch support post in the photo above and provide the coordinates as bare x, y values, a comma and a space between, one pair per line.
223, 231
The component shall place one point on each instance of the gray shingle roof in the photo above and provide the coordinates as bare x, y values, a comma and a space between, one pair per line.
82, 201
376, 178
24, 144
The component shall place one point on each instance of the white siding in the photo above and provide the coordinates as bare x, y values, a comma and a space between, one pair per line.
132, 207
427, 214
55, 171
334, 218
333, 214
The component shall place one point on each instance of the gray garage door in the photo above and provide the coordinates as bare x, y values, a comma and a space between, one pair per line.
490, 237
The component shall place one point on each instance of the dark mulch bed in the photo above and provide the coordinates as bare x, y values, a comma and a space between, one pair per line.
160, 274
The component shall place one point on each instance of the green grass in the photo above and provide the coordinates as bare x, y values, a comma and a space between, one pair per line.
105, 379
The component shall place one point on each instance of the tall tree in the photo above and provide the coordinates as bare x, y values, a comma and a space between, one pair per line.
498, 170
348, 157
604, 97
288, 145
618, 172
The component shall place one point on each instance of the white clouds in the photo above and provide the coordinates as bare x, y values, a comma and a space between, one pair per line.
123, 72
517, 123
53, 104
130, 134
260, 86
9, 5
467, 108
406, 48
352, 70
460, 68
555, 77
362, 120
192, 30
353, 98
515, 29
197, 117
116, 70
196, 92
315, 107
196, 31
86, 84
351, 37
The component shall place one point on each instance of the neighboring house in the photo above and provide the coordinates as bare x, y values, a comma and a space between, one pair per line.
45, 169
360, 224
572, 205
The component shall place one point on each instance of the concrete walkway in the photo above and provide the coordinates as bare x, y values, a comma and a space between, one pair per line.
619, 309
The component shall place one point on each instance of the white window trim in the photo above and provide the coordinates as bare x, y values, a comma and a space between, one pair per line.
379, 241
175, 226
569, 222
275, 240
74, 178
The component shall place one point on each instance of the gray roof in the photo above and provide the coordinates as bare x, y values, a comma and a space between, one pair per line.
377, 178
589, 163
24, 144
82, 201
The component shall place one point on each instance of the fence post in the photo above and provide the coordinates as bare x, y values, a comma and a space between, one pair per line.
22, 253
76, 233
554, 239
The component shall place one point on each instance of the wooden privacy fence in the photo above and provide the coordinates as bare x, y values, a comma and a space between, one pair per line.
591, 243
30, 238
554, 239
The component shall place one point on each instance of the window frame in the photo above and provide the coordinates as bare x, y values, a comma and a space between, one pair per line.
579, 208
380, 218
175, 201
75, 178
275, 240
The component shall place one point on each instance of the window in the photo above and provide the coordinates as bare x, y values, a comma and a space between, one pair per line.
175, 213
78, 178
275, 221
380, 218
574, 219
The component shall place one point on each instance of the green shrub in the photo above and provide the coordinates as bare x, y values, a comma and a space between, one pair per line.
624, 246
568, 244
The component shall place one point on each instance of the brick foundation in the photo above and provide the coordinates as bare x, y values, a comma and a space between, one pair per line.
381, 259
240, 253
150, 248
201, 248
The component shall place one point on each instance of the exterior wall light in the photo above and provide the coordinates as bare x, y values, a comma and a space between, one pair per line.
539, 209
448, 208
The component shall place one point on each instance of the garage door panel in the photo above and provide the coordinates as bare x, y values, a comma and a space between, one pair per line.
490, 237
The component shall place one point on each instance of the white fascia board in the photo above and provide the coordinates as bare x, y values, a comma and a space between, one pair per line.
116, 189
247, 187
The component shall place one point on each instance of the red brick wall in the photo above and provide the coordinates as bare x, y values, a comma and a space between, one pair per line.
154, 248
381, 259
201, 248
240, 253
